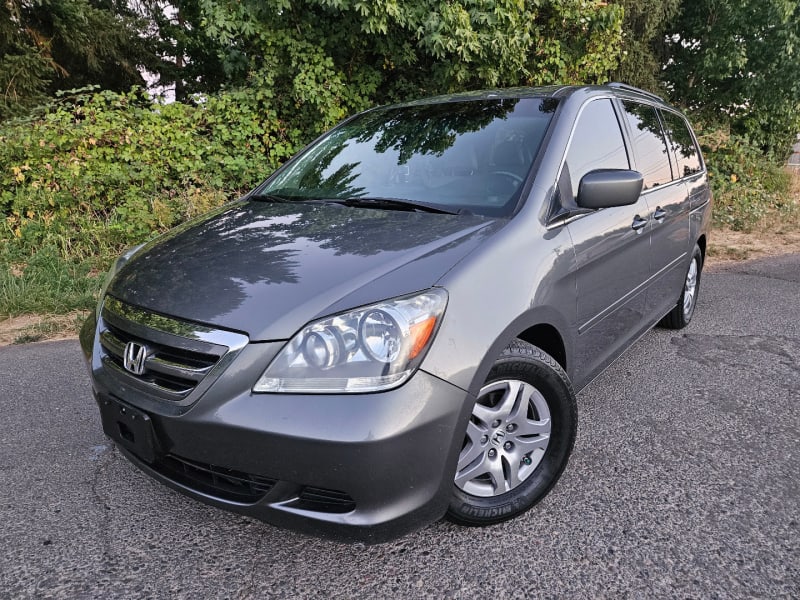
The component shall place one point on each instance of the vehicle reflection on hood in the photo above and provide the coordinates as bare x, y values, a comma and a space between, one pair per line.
280, 260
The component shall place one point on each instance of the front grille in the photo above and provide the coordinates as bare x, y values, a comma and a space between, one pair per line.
174, 370
227, 484
179, 355
323, 500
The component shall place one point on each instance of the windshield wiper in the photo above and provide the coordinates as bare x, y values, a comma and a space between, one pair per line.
272, 198
361, 202
283, 199
394, 204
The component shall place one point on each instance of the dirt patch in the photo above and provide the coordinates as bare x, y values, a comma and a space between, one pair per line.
777, 233
25, 329
727, 246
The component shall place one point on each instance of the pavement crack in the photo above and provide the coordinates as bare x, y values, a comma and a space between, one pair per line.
738, 270
250, 590
773, 277
762, 357
102, 459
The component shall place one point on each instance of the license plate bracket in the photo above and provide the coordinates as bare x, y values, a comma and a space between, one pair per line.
129, 427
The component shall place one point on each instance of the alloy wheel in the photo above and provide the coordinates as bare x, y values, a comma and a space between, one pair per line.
507, 436
690, 288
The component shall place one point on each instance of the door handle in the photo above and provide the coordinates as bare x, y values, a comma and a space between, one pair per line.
638, 224
659, 214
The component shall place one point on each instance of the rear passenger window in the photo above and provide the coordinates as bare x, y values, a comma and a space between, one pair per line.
649, 147
596, 143
683, 146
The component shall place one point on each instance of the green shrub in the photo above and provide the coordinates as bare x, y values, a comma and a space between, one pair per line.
747, 185
98, 172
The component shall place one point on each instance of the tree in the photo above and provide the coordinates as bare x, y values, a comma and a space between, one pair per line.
644, 42
739, 61
51, 45
317, 60
184, 58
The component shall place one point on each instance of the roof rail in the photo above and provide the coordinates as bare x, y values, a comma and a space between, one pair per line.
630, 88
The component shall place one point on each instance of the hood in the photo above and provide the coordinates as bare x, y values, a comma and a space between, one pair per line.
267, 269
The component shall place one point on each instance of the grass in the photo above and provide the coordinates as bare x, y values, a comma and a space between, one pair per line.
727, 252
47, 284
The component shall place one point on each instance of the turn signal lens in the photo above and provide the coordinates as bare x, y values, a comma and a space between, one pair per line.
420, 334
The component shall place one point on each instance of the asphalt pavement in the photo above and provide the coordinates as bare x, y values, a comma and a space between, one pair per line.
684, 483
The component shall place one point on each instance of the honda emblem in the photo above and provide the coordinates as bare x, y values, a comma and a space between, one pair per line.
134, 358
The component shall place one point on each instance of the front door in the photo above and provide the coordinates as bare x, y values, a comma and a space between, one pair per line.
612, 247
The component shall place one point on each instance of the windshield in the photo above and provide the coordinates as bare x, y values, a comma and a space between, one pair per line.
469, 155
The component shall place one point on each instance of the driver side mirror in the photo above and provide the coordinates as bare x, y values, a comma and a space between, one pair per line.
604, 188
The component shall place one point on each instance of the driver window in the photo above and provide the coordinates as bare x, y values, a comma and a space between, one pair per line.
596, 143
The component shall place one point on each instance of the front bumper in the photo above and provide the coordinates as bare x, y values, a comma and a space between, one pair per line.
367, 467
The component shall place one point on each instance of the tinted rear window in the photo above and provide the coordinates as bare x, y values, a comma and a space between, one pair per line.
683, 146
471, 155
649, 146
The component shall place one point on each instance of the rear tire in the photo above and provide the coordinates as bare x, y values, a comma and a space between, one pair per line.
518, 439
681, 314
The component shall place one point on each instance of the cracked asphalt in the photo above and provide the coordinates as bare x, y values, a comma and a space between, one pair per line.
684, 482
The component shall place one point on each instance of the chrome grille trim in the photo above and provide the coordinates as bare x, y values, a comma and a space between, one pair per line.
150, 387
112, 343
146, 320
182, 360
168, 367
153, 362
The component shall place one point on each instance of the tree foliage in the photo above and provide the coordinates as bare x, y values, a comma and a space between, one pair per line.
256, 80
644, 42
50, 45
185, 59
738, 61
323, 59
101, 171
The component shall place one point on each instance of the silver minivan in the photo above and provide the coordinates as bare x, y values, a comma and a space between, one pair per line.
393, 326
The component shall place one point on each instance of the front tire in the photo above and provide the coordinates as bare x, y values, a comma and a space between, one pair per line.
518, 439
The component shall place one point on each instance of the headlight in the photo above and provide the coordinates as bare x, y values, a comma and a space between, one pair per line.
369, 349
115, 267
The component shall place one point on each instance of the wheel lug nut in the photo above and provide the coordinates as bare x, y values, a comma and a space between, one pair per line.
484, 439
492, 453
496, 423
510, 427
508, 446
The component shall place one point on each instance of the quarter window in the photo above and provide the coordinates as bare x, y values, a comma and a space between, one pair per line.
649, 147
596, 143
683, 146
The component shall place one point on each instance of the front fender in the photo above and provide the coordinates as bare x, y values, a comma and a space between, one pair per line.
86, 335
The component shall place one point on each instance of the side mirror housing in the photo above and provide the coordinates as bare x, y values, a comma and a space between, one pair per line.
604, 188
